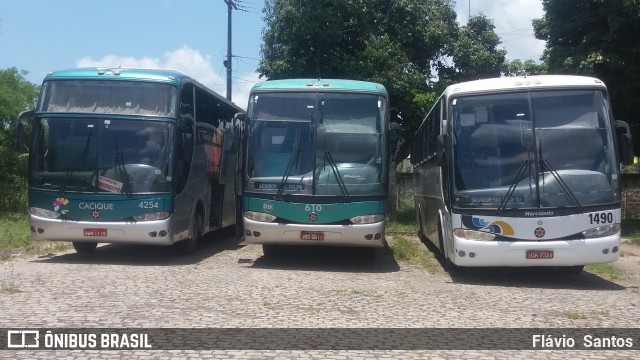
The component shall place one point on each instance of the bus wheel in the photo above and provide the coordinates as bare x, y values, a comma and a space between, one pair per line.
270, 250
572, 270
189, 246
84, 247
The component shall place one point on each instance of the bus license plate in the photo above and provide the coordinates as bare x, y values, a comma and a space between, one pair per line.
539, 254
95, 232
311, 235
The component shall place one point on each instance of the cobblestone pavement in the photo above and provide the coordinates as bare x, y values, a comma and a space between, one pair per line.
225, 285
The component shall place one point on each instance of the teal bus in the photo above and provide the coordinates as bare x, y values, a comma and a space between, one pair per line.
129, 156
315, 164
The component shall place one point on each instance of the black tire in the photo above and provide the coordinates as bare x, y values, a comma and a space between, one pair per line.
271, 250
572, 270
421, 235
368, 253
85, 247
189, 246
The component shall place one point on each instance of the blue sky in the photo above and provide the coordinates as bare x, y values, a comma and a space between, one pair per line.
186, 35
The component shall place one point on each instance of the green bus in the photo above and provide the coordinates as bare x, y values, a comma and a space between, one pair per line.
315, 164
129, 156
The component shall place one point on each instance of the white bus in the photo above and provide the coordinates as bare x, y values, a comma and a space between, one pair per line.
521, 172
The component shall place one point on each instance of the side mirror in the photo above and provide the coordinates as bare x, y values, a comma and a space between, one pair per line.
625, 144
19, 140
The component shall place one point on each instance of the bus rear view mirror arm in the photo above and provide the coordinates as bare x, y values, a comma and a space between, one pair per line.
625, 144
19, 140
440, 149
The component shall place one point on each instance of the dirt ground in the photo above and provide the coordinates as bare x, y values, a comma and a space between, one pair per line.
629, 259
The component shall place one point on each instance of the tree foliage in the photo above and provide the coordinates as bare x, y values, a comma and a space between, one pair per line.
474, 52
16, 94
598, 38
393, 42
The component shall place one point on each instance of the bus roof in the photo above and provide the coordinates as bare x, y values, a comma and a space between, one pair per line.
159, 75
152, 75
319, 84
522, 83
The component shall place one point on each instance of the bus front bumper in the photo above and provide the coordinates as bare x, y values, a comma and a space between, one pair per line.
364, 235
563, 252
142, 232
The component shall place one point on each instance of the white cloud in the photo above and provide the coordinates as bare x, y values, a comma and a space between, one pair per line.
188, 61
512, 19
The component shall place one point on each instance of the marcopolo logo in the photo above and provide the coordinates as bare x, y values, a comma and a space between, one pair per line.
538, 213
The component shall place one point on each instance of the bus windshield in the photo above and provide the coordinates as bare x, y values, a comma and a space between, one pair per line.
108, 97
542, 149
316, 144
102, 156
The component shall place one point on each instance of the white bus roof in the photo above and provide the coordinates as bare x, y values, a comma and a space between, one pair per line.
517, 83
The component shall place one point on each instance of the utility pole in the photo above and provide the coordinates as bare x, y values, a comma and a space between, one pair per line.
227, 63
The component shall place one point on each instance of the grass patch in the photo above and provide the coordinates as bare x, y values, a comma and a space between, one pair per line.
631, 230
574, 315
16, 239
405, 220
607, 271
9, 283
412, 251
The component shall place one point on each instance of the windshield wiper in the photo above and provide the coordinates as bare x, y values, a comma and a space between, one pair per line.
293, 159
336, 174
503, 204
120, 165
572, 197
80, 156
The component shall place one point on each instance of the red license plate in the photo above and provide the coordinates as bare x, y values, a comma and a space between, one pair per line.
95, 232
311, 235
539, 254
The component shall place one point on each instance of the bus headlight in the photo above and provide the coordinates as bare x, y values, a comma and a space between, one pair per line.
161, 215
44, 213
367, 219
600, 231
474, 235
258, 216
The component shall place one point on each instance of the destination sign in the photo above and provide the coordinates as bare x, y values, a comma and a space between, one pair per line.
276, 186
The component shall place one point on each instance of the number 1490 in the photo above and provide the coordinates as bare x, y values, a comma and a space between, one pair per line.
601, 218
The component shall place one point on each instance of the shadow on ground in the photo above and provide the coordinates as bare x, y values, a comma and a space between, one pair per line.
149, 255
329, 258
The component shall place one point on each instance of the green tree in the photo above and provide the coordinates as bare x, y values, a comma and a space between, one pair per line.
598, 38
529, 67
474, 52
393, 42
16, 94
